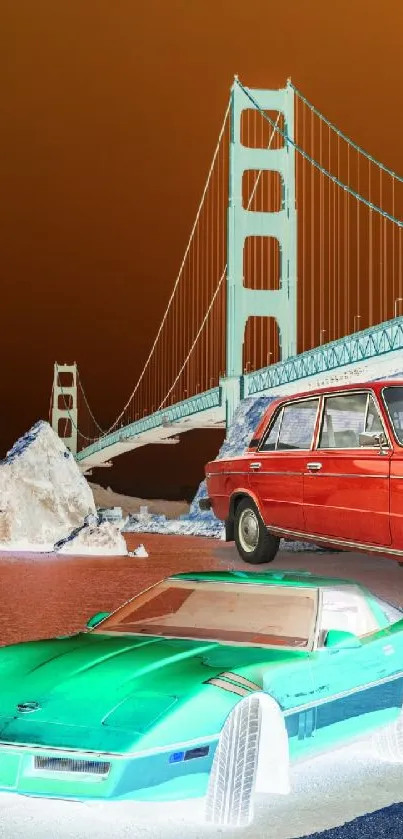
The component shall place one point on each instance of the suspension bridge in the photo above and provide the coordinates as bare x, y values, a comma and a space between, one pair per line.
292, 277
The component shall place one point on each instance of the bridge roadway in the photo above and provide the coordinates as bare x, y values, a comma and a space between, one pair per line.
371, 353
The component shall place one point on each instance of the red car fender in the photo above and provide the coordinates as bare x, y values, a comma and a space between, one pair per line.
244, 491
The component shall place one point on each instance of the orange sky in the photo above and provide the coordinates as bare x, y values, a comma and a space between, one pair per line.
110, 111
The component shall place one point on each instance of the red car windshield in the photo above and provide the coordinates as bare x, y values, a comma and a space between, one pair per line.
231, 612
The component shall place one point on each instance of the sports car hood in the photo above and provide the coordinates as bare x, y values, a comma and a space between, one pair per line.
119, 685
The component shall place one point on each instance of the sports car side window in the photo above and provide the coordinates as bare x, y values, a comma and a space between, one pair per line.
391, 613
345, 609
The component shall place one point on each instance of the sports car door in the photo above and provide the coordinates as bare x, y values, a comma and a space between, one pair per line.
356, 685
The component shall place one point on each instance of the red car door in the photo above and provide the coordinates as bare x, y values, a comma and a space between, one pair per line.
346, 485
393, 399
277, 468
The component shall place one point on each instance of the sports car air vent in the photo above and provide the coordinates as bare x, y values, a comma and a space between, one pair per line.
67, 764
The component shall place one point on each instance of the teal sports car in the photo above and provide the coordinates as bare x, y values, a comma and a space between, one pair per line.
204, 685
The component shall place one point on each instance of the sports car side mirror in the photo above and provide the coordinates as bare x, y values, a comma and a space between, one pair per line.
100, 616
337, 638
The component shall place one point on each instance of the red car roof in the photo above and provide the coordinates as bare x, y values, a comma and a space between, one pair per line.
376, 386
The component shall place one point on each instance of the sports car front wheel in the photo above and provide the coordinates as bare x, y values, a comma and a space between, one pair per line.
254, 543
388, 742
230, 795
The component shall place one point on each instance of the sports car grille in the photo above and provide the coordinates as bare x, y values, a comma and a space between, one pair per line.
66, 764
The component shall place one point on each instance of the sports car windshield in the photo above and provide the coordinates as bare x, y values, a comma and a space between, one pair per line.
231, 612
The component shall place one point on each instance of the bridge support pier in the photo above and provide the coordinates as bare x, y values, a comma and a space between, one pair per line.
232, 391
64, 406
243, 302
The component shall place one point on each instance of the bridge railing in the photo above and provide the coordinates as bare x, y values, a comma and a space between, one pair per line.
360, 346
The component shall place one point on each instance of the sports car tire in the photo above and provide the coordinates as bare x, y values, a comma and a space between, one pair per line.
230, 795
254, 543
388, 742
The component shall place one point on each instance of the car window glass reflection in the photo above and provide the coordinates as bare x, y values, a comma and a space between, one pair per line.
298, 425
374, 423
392, 613
344, 420
270, 442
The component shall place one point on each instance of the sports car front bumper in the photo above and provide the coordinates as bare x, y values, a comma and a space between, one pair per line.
170, 774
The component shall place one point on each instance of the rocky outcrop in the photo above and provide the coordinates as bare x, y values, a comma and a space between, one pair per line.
44, 496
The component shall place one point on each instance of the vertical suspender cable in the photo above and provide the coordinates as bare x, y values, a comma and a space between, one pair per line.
400, 261
216, 323
358, 280
339, 248
302, 163
393, 244
370, 238
334, 309
329, 239
263, 273
345, 254
254, 244
348, 244
381, 277
206, 290
385, 262
321, 236
312, 237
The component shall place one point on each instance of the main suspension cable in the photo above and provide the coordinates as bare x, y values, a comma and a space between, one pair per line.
220, 282
147, 362
317, 165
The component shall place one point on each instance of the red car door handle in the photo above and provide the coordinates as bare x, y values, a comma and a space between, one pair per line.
255, 465
314, 467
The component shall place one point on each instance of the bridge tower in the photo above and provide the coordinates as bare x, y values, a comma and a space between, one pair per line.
64, 405
242, 302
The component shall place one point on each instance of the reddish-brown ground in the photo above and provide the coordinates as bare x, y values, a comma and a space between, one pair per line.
46, 595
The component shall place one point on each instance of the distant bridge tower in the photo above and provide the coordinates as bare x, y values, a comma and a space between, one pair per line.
242, 302
64, 406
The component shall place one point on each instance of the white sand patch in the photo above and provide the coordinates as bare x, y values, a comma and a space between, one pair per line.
131, 505
140, 551
24, 546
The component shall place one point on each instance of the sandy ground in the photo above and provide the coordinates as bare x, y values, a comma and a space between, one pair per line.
47, 595
109, 498
327, 793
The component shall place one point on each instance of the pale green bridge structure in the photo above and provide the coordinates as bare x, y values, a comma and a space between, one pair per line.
353, 355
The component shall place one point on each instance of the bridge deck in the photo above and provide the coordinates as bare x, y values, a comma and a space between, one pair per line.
371, 353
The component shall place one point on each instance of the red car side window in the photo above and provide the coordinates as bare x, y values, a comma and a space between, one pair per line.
298, 425
293, 427
344, 419
270, 440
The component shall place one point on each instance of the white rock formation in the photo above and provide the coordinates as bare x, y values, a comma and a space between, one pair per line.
43, 495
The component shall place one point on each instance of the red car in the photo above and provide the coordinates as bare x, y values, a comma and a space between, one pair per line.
325, 467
